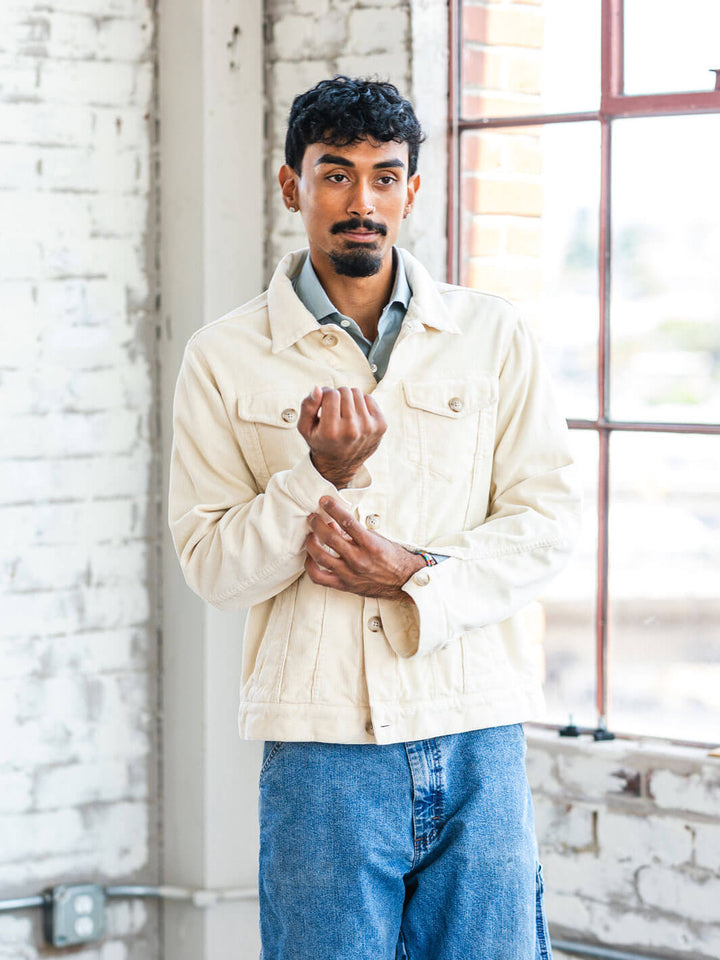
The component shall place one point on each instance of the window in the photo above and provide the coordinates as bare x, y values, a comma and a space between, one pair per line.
584, 187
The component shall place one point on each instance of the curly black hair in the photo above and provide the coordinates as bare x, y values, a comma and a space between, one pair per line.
343, 110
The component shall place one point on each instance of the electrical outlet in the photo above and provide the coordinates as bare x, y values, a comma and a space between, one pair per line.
74, 913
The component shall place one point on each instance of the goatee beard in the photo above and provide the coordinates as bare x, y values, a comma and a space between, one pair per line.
356, 263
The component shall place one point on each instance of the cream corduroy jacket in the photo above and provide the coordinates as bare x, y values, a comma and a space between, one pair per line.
474, 465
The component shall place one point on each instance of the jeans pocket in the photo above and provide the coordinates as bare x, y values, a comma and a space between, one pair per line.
542, 939
271, 749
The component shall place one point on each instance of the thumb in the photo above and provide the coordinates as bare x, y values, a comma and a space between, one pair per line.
309, 410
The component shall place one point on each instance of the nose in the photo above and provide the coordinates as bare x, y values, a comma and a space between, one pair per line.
361, 202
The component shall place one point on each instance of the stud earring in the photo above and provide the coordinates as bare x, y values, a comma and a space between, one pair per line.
292, 209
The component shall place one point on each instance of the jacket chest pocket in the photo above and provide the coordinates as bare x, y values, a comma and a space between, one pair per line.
450, 424
268, 433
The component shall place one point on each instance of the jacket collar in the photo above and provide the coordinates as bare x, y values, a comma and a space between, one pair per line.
290, 320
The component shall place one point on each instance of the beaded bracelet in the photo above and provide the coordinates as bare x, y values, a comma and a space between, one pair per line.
429, 559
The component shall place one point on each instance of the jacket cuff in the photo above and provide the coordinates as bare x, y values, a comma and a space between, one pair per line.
305, 485
425, 588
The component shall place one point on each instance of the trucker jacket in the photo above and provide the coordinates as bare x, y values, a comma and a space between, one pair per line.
474, 465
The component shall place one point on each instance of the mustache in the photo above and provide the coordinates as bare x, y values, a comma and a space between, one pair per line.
356, 223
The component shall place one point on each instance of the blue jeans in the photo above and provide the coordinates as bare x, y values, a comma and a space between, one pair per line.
409, 851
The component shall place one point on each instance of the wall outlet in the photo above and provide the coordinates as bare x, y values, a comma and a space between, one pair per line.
74, 913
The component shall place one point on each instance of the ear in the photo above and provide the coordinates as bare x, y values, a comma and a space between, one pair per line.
413, 185
288, 180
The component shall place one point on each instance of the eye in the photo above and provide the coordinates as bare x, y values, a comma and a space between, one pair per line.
337, 177
387, 179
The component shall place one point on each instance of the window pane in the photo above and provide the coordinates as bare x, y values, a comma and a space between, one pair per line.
665, 307
529, 217
669, 48
569, 605
521, 59
663, 582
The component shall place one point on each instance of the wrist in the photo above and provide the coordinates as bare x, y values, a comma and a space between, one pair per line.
339, 474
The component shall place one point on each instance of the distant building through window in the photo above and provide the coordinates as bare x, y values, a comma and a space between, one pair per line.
584, 187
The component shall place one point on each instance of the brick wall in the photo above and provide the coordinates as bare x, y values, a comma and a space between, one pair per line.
78, 486
501, 185
310, 40
630, 842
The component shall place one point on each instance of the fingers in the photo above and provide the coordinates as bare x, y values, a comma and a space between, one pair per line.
347, 402
345, 521
320, 575
327, 559
330, 406
309, 410
331, 537
375, 412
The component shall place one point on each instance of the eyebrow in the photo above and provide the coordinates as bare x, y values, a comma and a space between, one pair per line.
340, 161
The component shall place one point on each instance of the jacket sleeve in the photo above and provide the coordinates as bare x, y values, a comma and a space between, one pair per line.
237, 546
530, 527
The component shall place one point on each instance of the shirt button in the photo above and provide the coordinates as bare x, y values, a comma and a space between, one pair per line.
455, 404
372, 521
369, 727
289, 415
329, 339
344, 323
374, 624
421, 578
373, 367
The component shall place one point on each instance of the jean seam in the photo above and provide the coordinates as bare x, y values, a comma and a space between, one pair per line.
540, 916
276, 748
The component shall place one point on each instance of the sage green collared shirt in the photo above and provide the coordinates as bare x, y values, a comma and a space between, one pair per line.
312, 294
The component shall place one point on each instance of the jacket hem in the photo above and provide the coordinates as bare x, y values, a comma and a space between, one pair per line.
385, 722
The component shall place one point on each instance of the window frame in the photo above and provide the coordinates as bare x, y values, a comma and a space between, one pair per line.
614, 104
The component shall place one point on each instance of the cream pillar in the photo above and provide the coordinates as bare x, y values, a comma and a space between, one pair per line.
211, 105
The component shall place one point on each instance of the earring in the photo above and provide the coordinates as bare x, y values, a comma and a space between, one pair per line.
292, 209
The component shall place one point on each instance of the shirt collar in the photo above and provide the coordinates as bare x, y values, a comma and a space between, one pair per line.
290, 320
312, 293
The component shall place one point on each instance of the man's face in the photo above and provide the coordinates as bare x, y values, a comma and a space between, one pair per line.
352, 200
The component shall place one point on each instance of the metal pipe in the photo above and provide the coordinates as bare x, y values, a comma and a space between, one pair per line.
20, 903
586, 950
198, 897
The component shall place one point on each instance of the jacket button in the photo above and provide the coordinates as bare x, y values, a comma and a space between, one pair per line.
455, 404
372, 521
421, 578
289, 415
329, 339
375, 624
369, 727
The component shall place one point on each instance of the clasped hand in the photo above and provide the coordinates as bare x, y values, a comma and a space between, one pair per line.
343, 428
361, 561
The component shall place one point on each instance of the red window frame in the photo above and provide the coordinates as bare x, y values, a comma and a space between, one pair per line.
614, 103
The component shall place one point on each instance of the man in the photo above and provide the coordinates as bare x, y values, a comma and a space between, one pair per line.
373, 463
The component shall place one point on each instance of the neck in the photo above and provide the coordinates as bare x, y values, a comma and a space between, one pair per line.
361, 298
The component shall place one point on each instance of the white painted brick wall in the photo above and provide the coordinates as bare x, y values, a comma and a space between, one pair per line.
78, 481
630, 841
311, 41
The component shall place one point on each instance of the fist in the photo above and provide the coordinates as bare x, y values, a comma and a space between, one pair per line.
343, 428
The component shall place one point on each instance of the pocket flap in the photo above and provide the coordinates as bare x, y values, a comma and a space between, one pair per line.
275, 409
451, 398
